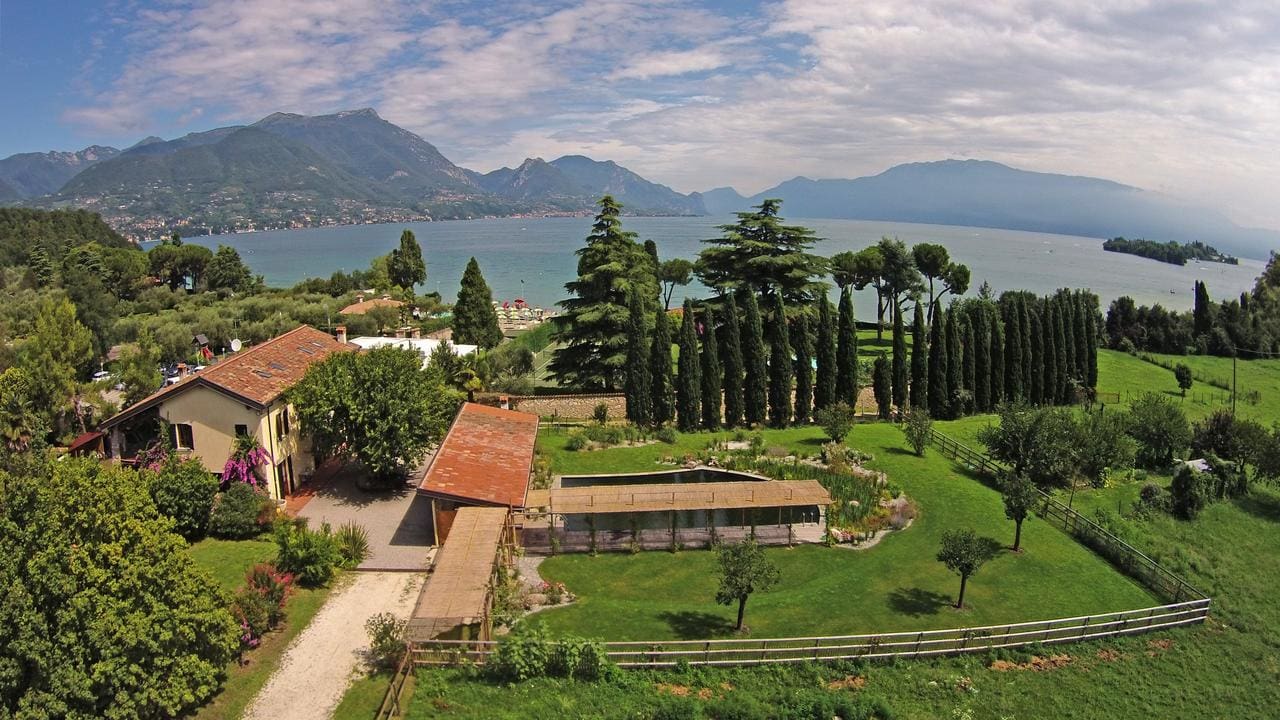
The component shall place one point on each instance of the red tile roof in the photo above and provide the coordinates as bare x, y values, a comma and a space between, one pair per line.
256, 376
485, 458
364, 306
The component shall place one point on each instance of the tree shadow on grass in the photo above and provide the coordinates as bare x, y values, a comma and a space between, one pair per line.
917, 602
693, 625
1265, 507
894, 450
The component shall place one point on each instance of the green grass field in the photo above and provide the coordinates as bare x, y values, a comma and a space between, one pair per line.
229, 560
1128, 376
897, 585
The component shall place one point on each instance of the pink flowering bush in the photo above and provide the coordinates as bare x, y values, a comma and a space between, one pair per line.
259, 604
242, 466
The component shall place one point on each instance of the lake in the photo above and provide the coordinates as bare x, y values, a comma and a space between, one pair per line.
533, 257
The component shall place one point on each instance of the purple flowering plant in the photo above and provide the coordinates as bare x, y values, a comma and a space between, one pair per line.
242, 466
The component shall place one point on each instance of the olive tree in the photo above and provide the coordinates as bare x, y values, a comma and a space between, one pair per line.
744, 569
963, 552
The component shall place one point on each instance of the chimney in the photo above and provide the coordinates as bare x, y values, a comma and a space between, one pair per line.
402, 332
340, 333
415, 332
359, 297
182, 370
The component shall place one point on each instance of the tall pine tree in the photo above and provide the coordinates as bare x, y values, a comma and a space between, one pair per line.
970, 364
824, 388
1012, 331
1067, 309
639, 388
731, 353
1038, 345
1054, 353
1081, 310
882, 386
660, 359
475, 321
997, 355
755, 380
711, 375
1202, 312
802, 345
939, 400
1028, 341
899, 360
1091, 345
689, 377
955, 364
1062, 392
846, 351
780, 366
919, 362
979, 319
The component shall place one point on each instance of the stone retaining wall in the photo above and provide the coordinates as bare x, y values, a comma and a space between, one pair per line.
570, 407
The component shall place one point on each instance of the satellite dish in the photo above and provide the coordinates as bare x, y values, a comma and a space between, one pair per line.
236, 345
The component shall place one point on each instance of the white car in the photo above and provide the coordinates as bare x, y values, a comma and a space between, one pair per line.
101, 375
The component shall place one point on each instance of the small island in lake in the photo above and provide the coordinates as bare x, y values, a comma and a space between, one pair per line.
1171, 252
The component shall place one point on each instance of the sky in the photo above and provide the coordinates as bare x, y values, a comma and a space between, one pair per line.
1181, 97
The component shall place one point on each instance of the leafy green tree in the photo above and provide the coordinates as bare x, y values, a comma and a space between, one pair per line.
377, 407
52, 356
731, 351
1189, 492
918, 427
919, 361
639, 387
963, 552
846, 351
899, 361
593, 329
824, 388
184, 491
105, 614
712, 377
882, 386
938, 396
931, 260
802, 346
689, 380
837, 420
405, 266
898, 275
755, 379
1161, 429
1101, 445
673, 272
759, 252
780, 366
475, 321
954, 365
663, 384
1020, 497
20, 422
744, 570
227, 271
1037, 443
1182, 373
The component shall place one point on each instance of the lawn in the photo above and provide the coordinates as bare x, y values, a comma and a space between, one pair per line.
229, 560
897, 585
1128, 375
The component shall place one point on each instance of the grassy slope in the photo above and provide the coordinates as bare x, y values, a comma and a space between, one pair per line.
1122, 373
898, 585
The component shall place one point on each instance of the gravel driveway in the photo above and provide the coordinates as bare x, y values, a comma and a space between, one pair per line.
322, 661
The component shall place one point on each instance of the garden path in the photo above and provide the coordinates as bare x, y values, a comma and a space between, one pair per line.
322, 661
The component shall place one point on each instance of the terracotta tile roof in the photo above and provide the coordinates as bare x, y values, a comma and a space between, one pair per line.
257, 375
485, 458
364, 306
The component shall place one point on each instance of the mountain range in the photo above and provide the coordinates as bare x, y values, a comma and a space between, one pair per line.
289, 170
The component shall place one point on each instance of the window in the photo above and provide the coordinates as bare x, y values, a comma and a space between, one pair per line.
182, 436
282, 424
242, 430
284, 415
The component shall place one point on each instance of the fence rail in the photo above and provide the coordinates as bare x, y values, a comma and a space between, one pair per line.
918, 644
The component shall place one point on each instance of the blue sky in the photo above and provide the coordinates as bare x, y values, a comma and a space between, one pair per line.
1181, 97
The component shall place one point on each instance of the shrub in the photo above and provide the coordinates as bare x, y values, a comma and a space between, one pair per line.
238, 512
353, 544
253, 611
836, 420
600, 413
738, 707
311, 555
1188, 493
577, 658
185, 491
520, 656
386, 640
1152, 497
918, 427
666, 435
577, 441
274, 586
676, 708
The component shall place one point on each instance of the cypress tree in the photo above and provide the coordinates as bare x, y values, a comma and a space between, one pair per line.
846, 351
660, 377
802, 344
780, 366
731, 351
1202, 313
1067, 310
919, 362
1024, 313
1038, 345
955, 364
475, 322
1013, 387
1054, 353
1081, 310
689, 379
824, 388
1062, 393
937, 395
899, 360
882, 386
970, 363
1091, 347
997, 356
981, 357
755, 379
711, 376
639, 388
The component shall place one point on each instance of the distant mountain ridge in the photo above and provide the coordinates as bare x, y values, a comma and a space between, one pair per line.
981, 193
578, 181
28, 175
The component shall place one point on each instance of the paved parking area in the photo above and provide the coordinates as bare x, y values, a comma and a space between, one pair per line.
398, 521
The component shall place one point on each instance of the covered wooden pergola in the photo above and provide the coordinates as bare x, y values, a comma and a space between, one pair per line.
456, 600
679, 496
